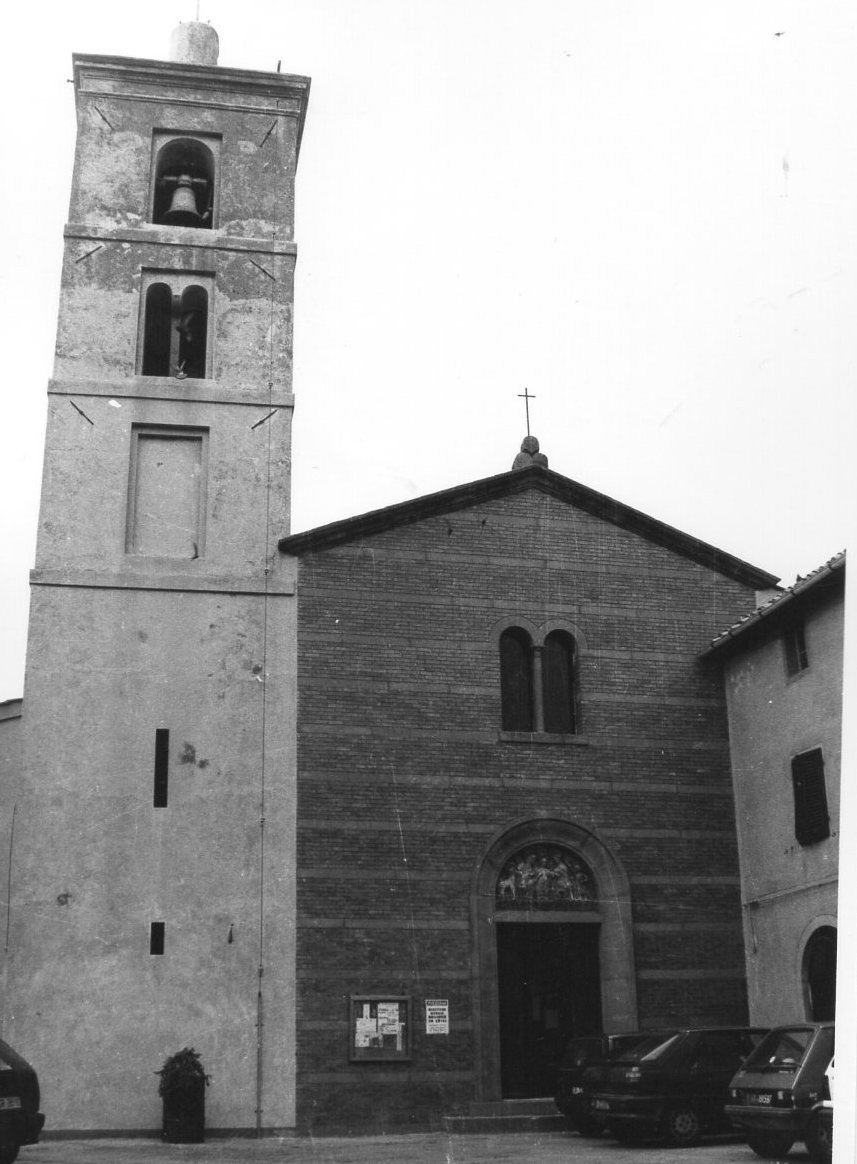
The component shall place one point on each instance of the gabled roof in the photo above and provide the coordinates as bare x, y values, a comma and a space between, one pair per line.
543, 480
827, 578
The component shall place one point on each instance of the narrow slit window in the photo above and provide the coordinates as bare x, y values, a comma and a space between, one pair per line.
162, 766
558, 664
516, 680
158, 322
156, 937
192, 329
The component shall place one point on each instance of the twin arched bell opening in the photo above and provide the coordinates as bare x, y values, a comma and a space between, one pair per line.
183, 209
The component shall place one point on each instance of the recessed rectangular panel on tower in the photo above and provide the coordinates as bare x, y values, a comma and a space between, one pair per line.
166, 491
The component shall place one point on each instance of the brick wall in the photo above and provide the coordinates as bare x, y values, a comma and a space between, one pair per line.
403, 780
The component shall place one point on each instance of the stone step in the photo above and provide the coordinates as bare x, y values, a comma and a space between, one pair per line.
506, 1115
487, 1125
542, 1105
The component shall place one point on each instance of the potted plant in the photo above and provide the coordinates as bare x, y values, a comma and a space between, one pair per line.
182, 1089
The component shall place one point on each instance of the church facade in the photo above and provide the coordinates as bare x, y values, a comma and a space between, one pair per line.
372, 816
514, 797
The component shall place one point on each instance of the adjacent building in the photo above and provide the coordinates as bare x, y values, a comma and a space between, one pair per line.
782, 666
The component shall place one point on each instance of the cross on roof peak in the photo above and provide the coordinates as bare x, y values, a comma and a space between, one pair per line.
526, 397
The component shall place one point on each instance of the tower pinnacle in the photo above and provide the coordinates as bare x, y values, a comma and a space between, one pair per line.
194, 43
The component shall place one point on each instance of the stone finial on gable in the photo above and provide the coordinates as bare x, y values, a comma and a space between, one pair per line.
529, 454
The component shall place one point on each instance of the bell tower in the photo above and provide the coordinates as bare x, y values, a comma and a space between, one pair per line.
152, 863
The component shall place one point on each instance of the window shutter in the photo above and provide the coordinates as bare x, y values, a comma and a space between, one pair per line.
812, 822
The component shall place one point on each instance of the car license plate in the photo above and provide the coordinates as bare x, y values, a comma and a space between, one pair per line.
9, 1101
759, 1097
600, 1105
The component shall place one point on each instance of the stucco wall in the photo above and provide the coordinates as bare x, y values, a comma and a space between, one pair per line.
11, 773
787, 887
94, 863
190, 628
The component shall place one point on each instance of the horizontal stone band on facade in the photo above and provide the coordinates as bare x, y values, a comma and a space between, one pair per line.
90, 580
691, 975
190, 391
404, 1077
340, 1025
391, 974
213, 241
404, 923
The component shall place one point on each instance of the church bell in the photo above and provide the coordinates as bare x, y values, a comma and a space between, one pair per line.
182, 210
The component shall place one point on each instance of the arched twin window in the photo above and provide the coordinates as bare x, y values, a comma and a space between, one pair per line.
176, 331
538, 682
174, 324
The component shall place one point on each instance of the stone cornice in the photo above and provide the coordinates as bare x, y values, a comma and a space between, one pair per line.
131, 78
179, 237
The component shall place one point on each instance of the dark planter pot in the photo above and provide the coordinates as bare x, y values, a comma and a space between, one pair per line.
184, 1113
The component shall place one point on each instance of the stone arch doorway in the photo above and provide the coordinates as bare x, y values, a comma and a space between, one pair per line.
819, 975
554, 952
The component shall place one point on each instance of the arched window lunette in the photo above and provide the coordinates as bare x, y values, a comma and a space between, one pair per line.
539, 683
184, 184
548, 878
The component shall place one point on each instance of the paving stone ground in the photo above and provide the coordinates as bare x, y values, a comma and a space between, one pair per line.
436, 1148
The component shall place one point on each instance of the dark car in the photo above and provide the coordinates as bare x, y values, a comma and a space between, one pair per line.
779, 1094
580, 1055
20, 1118
673, 1086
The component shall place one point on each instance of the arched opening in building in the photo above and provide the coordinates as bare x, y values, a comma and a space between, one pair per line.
516, 680
554, 956
184, 184
538, 682
548, 967
175, 331
819, 975
558, 678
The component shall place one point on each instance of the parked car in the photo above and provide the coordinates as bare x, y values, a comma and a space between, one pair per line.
673, 1086
778, 1096
580, 1055
21, 1121
819, 1131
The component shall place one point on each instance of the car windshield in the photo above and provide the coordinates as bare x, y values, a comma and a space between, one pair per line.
624, 1043
580, 1051
780, 1050
650, 1047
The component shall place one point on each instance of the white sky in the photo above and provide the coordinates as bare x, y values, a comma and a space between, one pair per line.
644, 211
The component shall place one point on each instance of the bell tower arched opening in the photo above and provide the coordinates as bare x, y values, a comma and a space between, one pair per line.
184, 178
